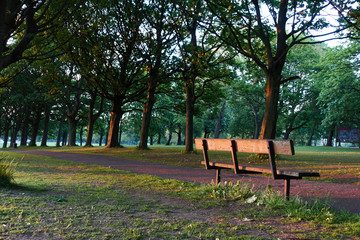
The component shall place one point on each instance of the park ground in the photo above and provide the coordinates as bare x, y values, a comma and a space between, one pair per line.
57, 199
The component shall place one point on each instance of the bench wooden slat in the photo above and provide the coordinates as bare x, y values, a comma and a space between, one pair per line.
259, 169
283, 147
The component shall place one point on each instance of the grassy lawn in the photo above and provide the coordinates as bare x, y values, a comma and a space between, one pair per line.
337, 165
55, 199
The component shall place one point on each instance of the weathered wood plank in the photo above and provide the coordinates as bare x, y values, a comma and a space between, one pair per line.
282, 147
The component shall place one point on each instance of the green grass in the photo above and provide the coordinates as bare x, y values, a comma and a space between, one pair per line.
56, 199
336, 165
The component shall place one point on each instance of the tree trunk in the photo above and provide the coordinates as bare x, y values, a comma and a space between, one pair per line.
288, 130
92, 118
25, 128
159, 139
64, 138
35, 128
6, 131
330, 137
59, 134
116, 115
81, 135
101, 136
178, 137
219, 121
72, 130
146, 116
15, 130
46, 127
272, 89
189, 131
257, 121
311, 135
169, 138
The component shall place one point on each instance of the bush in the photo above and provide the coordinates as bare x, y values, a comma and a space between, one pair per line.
7, 169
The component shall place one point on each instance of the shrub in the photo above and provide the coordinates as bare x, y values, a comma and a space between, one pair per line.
7, 169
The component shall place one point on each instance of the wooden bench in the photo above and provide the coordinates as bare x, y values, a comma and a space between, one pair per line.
258, 146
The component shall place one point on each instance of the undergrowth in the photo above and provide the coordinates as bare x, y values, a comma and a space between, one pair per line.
7, 169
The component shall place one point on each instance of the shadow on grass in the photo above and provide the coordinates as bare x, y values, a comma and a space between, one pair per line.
27, 188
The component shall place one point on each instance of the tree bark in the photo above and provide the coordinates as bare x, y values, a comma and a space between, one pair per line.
59, 134
25, 127
179, 136
46, 127
16, 128
189, 131
81, 135
116, 115
169, 138
330, 137
272, 89
64, 138
311, 135
6, 131
72, 130
219, 121
35, 128
159, 139
147, 111
92, 118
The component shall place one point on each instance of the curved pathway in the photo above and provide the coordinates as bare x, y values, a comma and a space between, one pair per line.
342, 196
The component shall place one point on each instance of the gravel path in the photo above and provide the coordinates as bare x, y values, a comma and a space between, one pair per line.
342, 196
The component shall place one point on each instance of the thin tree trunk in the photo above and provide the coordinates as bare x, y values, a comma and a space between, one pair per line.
6, 132
92, 118
159, 139
146, 116
59, 134
25, 127
311, 135
81, 135
169, 138
35, 128
64, 139
219, 121
189, 131
178, 137
15, 130
46, 127
101, 136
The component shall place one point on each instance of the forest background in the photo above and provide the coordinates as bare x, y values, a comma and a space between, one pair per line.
164, 72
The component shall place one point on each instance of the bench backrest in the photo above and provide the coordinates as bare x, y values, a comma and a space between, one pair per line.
281, 147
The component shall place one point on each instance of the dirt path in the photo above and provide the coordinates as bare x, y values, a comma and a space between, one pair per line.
342, 196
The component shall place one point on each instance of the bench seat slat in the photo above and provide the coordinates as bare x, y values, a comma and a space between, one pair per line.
259, 169
283, 147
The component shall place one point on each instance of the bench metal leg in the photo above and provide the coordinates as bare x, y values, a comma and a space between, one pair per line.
287, 189
218, 176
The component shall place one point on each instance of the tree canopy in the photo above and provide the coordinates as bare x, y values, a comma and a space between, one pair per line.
130, 71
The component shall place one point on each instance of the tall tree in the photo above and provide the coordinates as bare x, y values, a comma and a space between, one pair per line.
265, 31
108, 36
201, 59
158, 49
